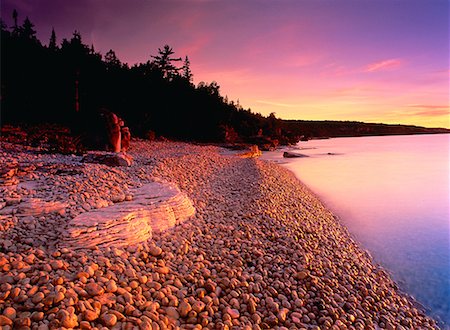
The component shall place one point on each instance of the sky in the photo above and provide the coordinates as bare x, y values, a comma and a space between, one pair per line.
365, 60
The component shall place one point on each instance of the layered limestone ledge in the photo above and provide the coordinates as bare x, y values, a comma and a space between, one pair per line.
155, 207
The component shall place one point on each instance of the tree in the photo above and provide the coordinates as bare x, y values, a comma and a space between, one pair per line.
3, 25
15, 27
187, 73
75, 46
164, 62
27, 30
111, 59
52, 43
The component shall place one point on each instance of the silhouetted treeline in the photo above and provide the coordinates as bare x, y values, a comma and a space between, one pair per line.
69, 82
323, 129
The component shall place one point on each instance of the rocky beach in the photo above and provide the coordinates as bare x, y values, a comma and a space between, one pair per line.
259, 252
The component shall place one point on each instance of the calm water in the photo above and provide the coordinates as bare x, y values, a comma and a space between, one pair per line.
392, 193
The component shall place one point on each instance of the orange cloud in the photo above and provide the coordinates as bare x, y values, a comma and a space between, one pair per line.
430, 110
384, 65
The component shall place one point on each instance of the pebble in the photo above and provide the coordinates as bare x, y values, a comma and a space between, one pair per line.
155, 251
5, 320
109, 320
94, 289
261, 251
184, 308
10, 313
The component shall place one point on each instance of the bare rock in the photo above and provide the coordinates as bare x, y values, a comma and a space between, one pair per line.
156, 207
287, 154
35, 207
108, 158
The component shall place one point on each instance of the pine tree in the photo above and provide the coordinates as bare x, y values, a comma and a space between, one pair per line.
16, 29
164, 62
111, 59
52, 43
187, 73
27, 30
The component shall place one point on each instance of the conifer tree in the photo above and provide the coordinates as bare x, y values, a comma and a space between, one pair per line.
15, 27
27, 30
52, 43
164, 62
187, 73
111, 59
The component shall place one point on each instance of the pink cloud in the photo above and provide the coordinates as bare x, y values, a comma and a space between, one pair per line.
389, 64
429, 110
196, 45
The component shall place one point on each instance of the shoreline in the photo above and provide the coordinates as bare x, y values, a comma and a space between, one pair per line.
262, 251
413, 300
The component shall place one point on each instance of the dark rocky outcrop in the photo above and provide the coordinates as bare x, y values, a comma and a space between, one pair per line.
288, 154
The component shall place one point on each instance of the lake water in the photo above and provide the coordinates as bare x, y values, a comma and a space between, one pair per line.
392, 193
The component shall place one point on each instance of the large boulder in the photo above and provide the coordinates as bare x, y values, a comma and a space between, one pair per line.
288, 154
155, 207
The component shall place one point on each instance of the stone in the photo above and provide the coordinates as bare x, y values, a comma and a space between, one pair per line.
210, 287
156, 207
172, 313
10, 313
5, 321
109, 320
111, 286
301, 275
253, 152
37, 298
108, 158
93, 289
57, 264
126, 137
234, 313
198, 306
251, 306
163, 270
155, 251
69, 321
288, 154
37, 207
184, 308
90, 315
37, 316
113, 130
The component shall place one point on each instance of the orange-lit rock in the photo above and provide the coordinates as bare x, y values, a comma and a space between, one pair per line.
156, 206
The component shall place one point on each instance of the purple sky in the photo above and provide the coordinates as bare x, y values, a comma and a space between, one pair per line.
369, 60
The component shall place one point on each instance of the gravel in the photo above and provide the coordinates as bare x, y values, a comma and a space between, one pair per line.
262, 252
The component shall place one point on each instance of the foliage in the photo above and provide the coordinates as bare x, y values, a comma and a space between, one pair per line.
68, 84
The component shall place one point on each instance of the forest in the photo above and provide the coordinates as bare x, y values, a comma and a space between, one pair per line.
69, 83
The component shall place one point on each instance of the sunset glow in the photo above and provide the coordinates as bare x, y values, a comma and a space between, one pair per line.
373, 61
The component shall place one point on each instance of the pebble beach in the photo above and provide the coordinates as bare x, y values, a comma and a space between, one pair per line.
261, 251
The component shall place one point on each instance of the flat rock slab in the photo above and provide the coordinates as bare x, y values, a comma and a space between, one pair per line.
156, 206
30, 207
287, 154
108, 158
